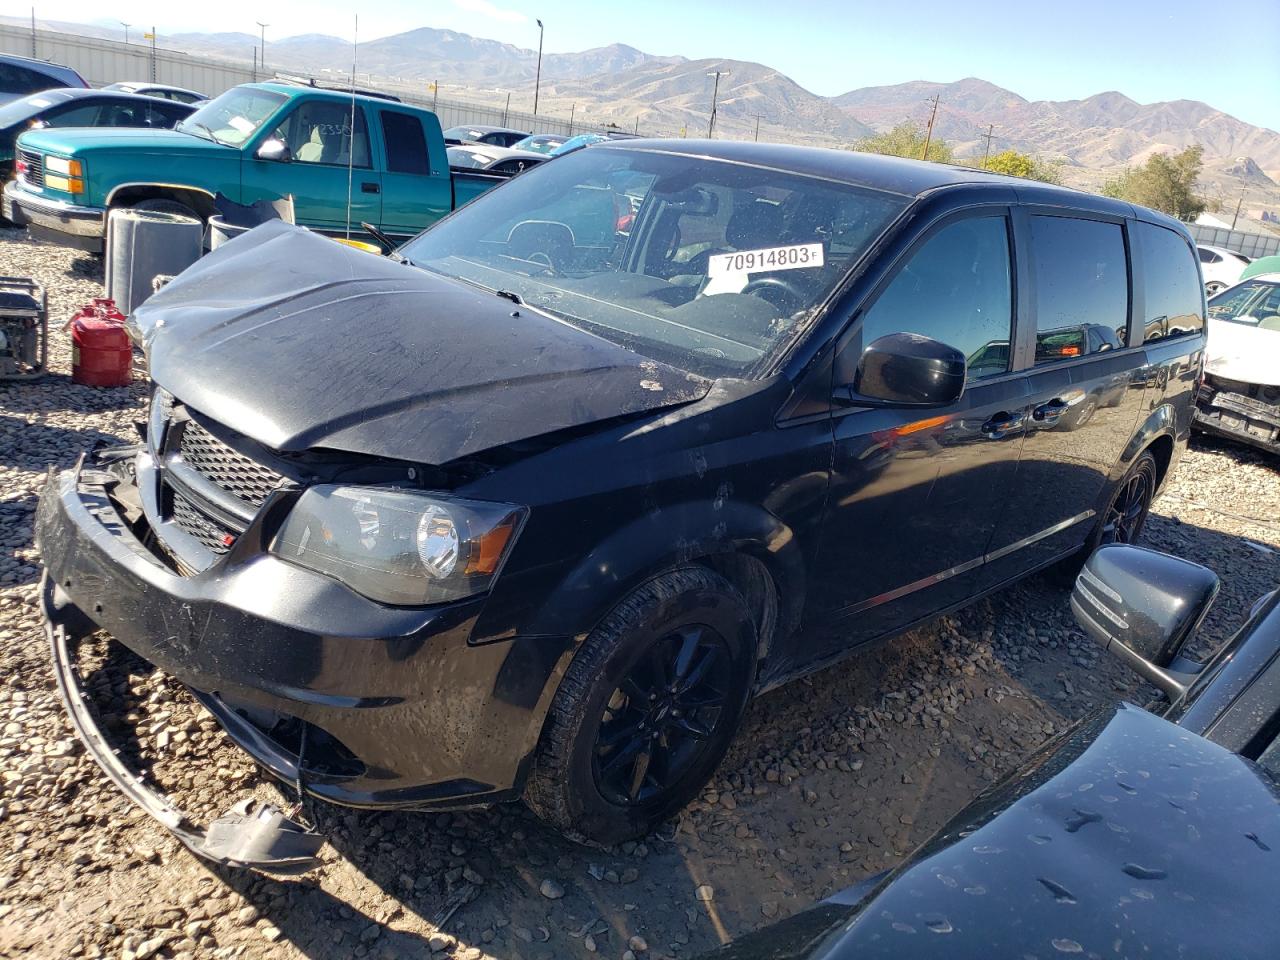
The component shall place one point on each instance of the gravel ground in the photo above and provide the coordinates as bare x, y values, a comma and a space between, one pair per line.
832, 778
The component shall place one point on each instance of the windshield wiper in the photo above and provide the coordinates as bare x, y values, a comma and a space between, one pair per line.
201, 126
386, 241
511, 295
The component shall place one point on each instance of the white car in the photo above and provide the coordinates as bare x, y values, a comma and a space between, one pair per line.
1221, 267
503, 160
1240, 395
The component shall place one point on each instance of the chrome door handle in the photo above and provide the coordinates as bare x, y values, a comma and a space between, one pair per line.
1002, 424
1051, 412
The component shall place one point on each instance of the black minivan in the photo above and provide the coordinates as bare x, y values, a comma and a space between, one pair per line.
533, 506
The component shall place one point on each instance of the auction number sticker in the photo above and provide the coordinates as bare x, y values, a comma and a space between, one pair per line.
795, 257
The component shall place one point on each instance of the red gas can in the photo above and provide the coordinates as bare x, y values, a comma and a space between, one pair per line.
101, 353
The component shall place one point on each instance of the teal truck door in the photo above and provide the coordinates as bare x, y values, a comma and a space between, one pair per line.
415, 192
320, 140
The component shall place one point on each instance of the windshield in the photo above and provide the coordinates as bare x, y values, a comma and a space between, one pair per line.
700, 263
1254, 303
24, 108
468, 159
234, 117
537, 144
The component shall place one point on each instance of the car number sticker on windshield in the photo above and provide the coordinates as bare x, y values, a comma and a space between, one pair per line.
795, 257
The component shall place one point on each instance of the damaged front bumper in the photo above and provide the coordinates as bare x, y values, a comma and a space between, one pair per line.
260, 837
1237, 416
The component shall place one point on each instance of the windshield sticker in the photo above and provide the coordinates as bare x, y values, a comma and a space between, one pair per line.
795, 257
241, 124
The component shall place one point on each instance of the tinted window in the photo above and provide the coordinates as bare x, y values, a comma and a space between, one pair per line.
15, 79
1171, 283
956, 289
406, 143
76, 114
319, 131
1082, 287
1207, 256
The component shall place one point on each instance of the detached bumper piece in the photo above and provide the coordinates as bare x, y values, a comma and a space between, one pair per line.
259, 837
1238, 417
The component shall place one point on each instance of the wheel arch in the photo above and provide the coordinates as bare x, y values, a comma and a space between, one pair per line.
197, 198
750, 547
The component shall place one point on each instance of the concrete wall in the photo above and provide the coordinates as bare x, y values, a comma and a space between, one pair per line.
1250, 244
108, 61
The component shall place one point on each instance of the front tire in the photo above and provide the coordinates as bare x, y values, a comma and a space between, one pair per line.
647, 708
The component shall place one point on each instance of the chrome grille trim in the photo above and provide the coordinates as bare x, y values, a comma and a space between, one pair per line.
34, 174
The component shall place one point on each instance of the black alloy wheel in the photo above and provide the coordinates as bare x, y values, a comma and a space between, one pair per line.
661, 718
1127, 513
646, 709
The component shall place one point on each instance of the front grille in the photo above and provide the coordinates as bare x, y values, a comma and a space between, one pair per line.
34, 174
212, 534
235, 473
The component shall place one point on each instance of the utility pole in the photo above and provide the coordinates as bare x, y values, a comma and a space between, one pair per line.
573, 107
757, 116
506, 111
255, 64
33, 33
435, 94
152, 37
715, 95
262, 53
637, 126
987, 153
924, 154
1239, 203
537, 77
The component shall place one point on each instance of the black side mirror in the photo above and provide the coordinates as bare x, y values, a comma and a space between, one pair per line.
1144, 606
276, 149
909, 370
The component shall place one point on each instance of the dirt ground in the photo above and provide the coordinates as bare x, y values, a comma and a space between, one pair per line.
832, 778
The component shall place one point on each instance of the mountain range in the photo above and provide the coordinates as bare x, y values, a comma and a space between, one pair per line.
668, 95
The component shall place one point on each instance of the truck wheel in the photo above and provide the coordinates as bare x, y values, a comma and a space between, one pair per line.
646, 709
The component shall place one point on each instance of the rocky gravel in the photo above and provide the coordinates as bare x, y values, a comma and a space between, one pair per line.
832, 778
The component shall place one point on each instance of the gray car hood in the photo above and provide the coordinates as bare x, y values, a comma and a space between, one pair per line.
300, 342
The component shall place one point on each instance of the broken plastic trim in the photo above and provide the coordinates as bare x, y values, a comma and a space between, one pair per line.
259, 837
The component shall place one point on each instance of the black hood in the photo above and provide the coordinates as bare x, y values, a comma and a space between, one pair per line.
1134, 838
300, 342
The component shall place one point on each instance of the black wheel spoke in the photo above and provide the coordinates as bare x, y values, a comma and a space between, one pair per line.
624, 755
619, 734
703, 698
636, 695
691, 728
691, 638
696, 675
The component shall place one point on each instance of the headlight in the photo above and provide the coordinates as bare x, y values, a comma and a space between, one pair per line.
397, 546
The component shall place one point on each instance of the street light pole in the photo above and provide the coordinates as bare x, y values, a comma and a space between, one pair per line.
715, 95
537, 78
262, 52
126, 31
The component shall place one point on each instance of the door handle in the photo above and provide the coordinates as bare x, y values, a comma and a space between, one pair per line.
368, 187
1050, 413
1002, 424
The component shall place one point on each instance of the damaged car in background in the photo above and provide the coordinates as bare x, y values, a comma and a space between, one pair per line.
532, 507
1137, 833
1240, 396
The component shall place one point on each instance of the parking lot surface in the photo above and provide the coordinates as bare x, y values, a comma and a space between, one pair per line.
831, 779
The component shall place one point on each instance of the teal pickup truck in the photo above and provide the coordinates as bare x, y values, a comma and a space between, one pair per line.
258, 141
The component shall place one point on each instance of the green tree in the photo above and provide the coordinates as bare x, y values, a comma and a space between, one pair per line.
1015, 164
905, 140
1164, 182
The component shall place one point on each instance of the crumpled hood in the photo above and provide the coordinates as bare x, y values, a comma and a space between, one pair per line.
1237, 351
300, 342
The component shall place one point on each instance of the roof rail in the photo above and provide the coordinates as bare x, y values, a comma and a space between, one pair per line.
311, 82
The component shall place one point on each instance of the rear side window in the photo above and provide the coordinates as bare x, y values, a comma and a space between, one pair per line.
1208, 256
1171, 282
20, 80
406, 143
76, 114
956, 289
1082, 287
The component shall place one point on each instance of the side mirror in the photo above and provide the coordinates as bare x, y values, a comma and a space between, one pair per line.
274, 149
1143, 607
909, 370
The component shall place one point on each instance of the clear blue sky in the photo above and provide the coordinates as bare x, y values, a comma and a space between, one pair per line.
1224, 52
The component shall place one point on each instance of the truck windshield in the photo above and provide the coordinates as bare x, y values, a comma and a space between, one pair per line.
234, 117
701, 263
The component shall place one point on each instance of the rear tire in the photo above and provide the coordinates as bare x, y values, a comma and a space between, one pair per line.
647, 708
1124, 517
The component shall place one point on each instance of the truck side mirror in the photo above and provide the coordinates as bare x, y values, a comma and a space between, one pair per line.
1143, 607
274, 148
908, 370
